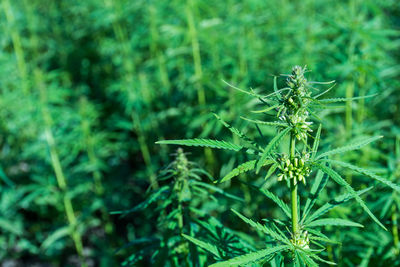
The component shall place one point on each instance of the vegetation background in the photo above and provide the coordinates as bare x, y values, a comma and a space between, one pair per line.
87, 87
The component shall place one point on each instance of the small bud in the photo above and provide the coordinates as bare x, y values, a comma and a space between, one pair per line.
301, 162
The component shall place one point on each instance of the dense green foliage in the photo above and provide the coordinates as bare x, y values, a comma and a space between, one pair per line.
89, 87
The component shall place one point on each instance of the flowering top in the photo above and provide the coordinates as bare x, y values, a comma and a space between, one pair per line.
294, 103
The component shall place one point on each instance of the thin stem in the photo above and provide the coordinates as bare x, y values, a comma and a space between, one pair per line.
40, 83
293, 190
395, 231
155, 49
56, 164
17, 44
198, 72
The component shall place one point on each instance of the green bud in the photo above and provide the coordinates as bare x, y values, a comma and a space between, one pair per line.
301, 162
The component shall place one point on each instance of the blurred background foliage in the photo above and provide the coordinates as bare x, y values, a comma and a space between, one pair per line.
87, 87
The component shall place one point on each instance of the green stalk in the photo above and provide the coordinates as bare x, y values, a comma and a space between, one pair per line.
293, 190
198, 72
361, 85
145, 91
155, 49
55, 159
180, 216
350, 84
243, 66
16, 40
349, 110
145, 150
56, 164
395, 231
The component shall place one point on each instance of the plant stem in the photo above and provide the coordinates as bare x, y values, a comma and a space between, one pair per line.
156, 51
293, 190
17, 44
395, 231
56, 164
40, 84
198, 72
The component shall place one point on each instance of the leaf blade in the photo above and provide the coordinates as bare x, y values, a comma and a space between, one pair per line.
202, 143
334, 222
250, 257
350, 147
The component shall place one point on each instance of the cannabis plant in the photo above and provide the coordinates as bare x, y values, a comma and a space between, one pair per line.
177, 205
295, 107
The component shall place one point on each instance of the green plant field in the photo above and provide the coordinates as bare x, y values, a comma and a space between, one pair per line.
199, 133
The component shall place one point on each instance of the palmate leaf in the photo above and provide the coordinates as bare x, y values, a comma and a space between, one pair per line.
244, 167
274, 142
239, 134
333, 221
203, 143
262, 228
250, 257
204, 245
338, 179
278, 201
331, 204
356, 145
365, 172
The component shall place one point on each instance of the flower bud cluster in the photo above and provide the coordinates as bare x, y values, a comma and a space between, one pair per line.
297, 82
181, 163
295, 102
296, 168
181, 166
301, 239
